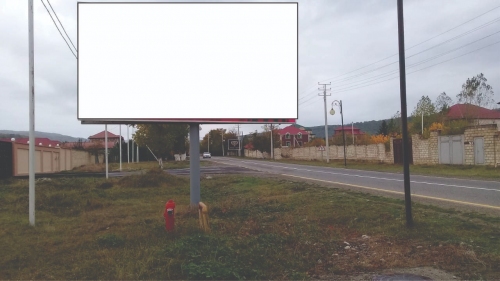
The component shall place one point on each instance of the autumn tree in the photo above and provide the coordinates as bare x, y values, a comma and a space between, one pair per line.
424, 106
475, 91
163, 139
443, 102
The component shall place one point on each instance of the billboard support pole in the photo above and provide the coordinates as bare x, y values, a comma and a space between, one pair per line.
194, 164
106, 147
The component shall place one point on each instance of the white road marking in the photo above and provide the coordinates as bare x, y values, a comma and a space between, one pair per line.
370, 177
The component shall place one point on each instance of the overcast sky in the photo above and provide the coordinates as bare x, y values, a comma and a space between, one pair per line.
336, 38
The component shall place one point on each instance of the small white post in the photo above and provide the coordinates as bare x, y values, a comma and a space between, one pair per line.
106, 147
120, 147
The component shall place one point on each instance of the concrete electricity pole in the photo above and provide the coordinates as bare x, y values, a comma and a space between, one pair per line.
326, 122
239, 141
120, 147
106, 147
272, 143
128, 146
222, 136
31, 90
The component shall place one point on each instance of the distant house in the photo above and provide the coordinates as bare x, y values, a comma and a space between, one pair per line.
99, 137
295, 135
348, 130
476, 114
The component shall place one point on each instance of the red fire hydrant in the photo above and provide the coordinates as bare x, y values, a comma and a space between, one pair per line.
169, 215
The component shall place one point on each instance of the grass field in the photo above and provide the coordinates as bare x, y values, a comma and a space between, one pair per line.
455, 171
135, 166
261, 228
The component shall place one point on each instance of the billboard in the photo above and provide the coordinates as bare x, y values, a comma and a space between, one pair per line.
233, 144
183, 62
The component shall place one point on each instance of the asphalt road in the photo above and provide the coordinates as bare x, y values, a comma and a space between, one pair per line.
474, 193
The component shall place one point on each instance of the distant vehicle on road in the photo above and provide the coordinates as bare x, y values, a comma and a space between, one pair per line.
207, 155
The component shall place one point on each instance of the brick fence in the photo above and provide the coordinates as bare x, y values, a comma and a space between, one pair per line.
425, 151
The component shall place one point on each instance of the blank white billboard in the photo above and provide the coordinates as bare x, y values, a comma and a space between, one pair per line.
150, 61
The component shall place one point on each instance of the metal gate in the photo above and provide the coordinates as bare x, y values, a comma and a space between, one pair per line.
479, 150
451, 149
397, 145
5, 159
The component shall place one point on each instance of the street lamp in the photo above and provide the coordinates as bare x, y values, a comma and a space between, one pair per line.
332, 112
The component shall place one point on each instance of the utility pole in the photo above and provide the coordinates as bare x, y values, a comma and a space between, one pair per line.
120, 147
239, 141
132, 144
137, 160
404, 115
31, 90
222, 136
106, 147
326, 122
128, 146
272, 144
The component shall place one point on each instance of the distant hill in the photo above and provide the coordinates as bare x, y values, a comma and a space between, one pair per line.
370, 127
25, 134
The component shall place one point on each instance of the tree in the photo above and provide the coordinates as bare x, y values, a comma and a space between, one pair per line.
394, 127
475, 91
424, 106
384, 129
443, 102
163, 139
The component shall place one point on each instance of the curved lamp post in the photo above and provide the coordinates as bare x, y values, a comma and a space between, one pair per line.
332, 112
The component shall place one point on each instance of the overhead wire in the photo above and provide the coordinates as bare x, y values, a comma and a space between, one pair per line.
409, 48
76, 50
58, 28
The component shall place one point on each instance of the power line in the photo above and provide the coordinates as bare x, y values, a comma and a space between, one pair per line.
415, 44
376, 77
409, 66
61, 25
350, 88
58, 29
451, 39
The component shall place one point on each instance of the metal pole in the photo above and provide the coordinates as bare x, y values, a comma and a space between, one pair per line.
128, 146
137, 147
31, 153
343, 133
120, 147
194, 164
402, 85
272, 144
132, 144
422, 123
222, 136
326, 124
239, 141
106, 147
352, 132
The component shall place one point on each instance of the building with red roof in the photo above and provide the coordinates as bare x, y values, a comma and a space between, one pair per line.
99, 137
348, 130
38, 141
294, 136
481, 115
